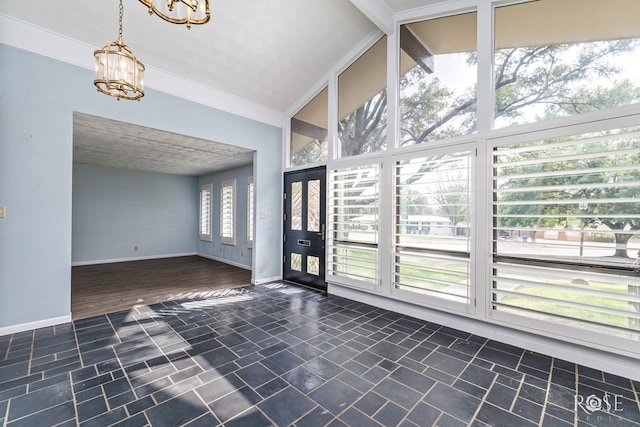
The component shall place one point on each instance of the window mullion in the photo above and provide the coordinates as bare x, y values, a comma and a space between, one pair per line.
485, 92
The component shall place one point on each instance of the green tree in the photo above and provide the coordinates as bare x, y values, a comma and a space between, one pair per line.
594, 181
415, 203
562, 78
365, 129
452, 196
555, 80
621, 182
310, 153
558, 78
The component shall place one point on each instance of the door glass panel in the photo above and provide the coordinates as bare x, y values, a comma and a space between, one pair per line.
313, 205
296, 262
313, 265
296, 205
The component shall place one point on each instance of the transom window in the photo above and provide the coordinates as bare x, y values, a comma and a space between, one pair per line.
362, 103
309, 131
438, 78
561, 58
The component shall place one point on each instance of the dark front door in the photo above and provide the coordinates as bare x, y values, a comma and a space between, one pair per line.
304, 227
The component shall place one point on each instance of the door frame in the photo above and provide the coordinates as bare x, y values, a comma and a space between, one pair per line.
310, 243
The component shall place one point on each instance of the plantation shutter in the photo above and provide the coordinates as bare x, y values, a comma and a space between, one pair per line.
353, 223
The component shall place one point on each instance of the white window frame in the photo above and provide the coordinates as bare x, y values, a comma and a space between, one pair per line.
205, 223
580, 346
250, 209
334, 194
228, 223
430, 300
592, 122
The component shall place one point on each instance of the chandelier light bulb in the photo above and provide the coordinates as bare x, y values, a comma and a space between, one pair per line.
189, 12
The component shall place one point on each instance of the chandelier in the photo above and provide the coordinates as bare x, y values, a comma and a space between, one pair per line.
180, 11
118, 71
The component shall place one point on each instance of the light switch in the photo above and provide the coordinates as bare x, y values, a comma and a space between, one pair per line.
3, 212
263, 215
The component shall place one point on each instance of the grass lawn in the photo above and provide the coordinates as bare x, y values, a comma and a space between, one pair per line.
592, 315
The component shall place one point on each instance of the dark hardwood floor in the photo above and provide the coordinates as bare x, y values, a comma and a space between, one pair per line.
108, 288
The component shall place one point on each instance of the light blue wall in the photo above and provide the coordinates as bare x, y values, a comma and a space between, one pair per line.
117, 209
238, 253
38, 96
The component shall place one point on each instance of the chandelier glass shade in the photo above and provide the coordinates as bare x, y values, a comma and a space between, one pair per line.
189, 12
118, 71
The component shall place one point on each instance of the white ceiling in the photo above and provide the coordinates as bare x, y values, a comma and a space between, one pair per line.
266, 52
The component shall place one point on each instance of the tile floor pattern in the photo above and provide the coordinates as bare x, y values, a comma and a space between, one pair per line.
282, 355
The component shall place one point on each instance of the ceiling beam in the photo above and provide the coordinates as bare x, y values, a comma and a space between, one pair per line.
410, 44
308, 129
378, 12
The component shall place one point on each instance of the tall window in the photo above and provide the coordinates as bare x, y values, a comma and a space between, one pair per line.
353, 225
432, 238
250, 212
560, 58
567, 231
309, 131
362, 103
205, 212
438, 78
227, 212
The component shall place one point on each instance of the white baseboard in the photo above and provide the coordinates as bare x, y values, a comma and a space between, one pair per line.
225, 261
141, 258
593, 358
7, 330
265, 280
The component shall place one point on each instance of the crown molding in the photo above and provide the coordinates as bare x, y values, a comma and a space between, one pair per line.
35, 39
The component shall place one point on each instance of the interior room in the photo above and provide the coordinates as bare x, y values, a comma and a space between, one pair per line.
135, 197
330, 212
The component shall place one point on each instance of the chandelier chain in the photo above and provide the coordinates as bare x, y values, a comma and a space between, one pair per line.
120, 22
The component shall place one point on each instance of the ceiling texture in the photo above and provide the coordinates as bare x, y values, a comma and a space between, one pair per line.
267, 53
112, 143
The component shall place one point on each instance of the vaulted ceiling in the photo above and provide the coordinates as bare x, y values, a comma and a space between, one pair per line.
264, 53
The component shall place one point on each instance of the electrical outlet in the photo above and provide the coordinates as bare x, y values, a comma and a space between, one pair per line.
260, 269
3, 212
135, 248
